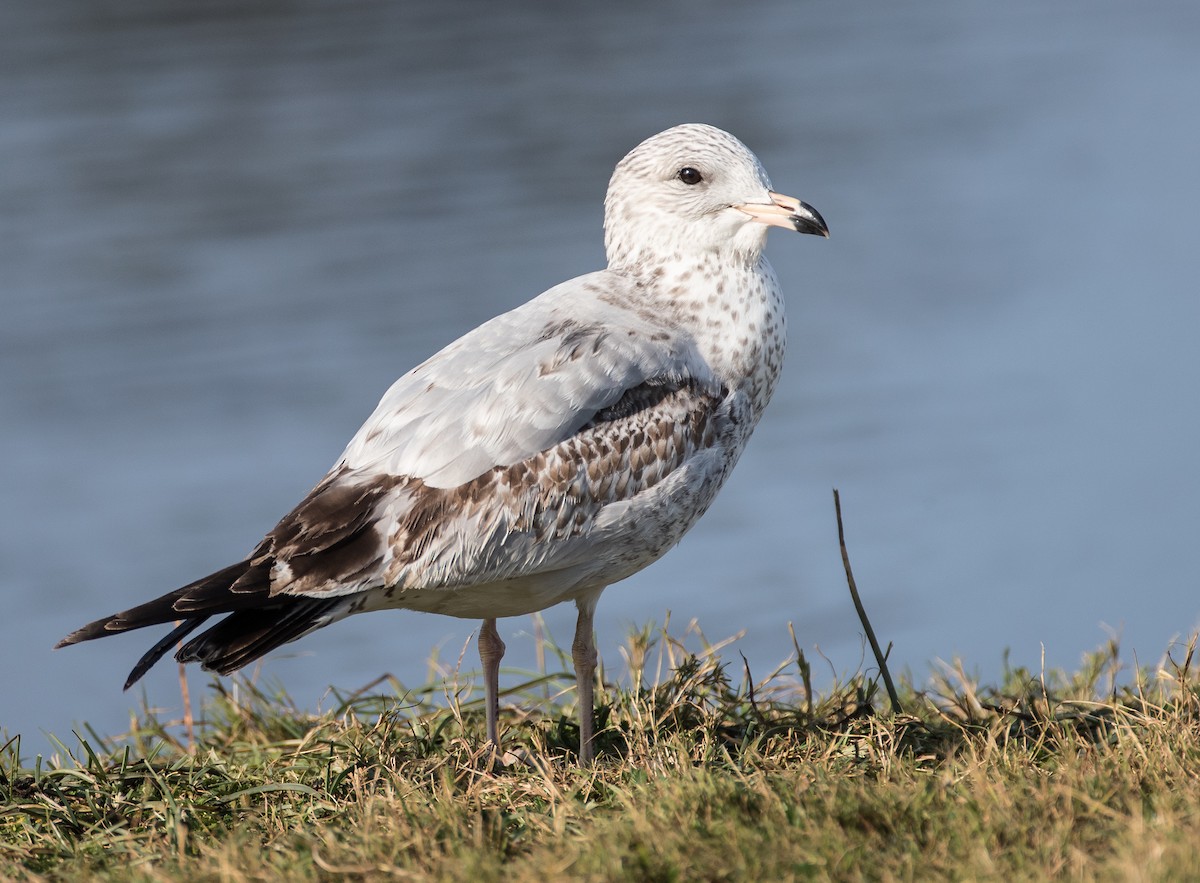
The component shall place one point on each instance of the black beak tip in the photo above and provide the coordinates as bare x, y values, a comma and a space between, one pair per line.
809, 220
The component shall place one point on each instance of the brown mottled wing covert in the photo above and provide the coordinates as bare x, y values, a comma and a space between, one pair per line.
507, 521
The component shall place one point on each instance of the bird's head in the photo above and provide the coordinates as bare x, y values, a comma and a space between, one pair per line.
695, 188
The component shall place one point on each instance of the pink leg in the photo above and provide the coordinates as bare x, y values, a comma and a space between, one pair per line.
583, 652
491, 651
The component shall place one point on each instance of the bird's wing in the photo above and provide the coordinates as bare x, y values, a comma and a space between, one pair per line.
531, 424
517, 385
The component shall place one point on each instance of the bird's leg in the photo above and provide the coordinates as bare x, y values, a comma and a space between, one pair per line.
491, 651
583, 652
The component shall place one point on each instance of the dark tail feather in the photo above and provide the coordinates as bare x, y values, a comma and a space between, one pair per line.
205, 596
246, 635
157, 652
256, 625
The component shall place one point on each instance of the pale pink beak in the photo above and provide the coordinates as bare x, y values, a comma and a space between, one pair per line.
786, 211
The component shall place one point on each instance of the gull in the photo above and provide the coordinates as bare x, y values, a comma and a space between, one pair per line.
550, 452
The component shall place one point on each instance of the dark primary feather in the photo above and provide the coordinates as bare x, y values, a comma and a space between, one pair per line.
326, 540
247, 635
208, 595
160, 649
256, 624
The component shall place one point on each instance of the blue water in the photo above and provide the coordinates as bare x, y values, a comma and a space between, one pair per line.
225, 230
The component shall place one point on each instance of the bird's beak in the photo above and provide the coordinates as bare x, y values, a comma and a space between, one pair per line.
786, 211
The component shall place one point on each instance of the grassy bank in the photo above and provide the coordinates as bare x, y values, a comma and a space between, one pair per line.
704, 774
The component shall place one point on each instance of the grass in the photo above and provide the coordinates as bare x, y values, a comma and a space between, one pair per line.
704, 774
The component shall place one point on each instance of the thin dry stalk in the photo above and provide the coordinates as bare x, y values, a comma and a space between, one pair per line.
189, 721
862, 613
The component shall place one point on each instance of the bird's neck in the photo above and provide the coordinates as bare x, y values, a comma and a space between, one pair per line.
735, 313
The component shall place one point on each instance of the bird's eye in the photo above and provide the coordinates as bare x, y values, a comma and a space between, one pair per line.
689, 176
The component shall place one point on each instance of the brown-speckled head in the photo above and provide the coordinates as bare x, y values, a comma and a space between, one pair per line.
694, 188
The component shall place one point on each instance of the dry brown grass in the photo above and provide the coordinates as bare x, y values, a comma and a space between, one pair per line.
703, 774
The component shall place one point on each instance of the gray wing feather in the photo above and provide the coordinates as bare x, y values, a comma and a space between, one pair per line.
517, 385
